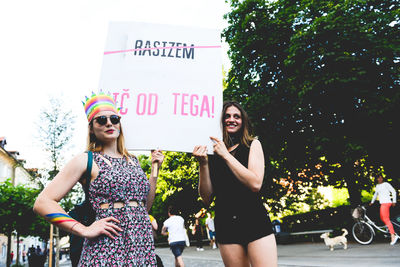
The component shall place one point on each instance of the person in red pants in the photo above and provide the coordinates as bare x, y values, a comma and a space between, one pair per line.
383, 191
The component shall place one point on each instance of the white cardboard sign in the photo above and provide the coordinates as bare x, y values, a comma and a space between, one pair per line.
167, 81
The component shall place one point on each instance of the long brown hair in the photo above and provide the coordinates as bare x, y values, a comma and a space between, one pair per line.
93, 144
245, 135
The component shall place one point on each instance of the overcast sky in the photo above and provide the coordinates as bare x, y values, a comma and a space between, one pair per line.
51, 47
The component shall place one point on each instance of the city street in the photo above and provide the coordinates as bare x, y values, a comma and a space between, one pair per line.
302, 254
299, 254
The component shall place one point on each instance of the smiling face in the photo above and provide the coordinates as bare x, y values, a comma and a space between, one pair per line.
105, 132
232, 120
236, 127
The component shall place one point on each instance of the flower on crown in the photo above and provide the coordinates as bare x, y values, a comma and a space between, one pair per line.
99, 102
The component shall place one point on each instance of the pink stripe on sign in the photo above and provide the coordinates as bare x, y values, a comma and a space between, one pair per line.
160, 48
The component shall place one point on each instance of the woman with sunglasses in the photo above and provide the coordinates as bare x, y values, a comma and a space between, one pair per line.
119, 193
234, 175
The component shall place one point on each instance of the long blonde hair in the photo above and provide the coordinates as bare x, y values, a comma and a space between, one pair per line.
93, 144
245, 131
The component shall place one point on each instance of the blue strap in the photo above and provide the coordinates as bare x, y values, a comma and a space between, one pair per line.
88, 172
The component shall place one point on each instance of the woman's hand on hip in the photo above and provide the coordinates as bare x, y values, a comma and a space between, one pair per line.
103, 227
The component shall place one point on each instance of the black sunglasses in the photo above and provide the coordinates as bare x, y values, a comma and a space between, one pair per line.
102, 120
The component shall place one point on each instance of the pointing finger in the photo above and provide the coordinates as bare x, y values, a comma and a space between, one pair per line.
214, 139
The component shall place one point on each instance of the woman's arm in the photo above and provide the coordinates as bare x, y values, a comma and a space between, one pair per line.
394, 194
154, 224
253, 176
46, 204
205, 186
157, 158
374, 197
164, 230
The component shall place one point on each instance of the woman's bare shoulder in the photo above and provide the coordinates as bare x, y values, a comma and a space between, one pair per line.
79, 161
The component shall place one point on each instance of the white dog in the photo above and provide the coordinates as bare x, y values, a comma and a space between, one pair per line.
330, 242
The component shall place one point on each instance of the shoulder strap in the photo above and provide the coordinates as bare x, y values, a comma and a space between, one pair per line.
88, 172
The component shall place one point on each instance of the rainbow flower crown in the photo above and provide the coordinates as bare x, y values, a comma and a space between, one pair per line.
97, 103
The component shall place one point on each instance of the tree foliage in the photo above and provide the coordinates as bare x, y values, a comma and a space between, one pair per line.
55, 132
16, 214
176, 185
320, 81
16, 203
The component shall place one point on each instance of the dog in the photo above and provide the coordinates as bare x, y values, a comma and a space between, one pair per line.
330, 242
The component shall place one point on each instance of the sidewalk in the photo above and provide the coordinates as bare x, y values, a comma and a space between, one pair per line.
191, 257
302, 255
356, 255
314, 254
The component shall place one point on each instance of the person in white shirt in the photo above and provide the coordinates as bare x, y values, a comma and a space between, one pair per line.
387, 198
174, 227
211, 230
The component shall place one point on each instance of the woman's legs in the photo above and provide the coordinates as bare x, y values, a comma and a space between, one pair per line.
385, 217
177, 249
179, 262
260, 253
234, 255
199, 241
263, 252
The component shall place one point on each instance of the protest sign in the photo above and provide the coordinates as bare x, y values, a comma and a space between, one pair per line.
168, 82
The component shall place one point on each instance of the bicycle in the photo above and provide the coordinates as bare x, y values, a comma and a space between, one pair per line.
363, 230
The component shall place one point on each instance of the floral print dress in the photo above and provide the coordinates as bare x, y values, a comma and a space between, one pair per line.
120, 182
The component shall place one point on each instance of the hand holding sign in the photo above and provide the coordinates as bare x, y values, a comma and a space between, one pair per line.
200, 153
157, 158
219, 147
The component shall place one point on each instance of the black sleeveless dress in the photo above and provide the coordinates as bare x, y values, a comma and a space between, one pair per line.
240, 216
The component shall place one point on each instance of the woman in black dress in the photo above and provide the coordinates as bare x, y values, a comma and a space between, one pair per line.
234, 176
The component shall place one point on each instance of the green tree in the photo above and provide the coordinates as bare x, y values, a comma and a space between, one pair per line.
320, 81
16, 214
176, 185
55, 130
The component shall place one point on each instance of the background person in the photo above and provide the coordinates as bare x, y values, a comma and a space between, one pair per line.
211, 230
24, 255
38, 250
32, 256
234, 176
387, 198
197, 233
119, 193
154, 226
174, 228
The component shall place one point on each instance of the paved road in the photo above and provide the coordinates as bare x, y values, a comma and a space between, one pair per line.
298, 255
302, 255
191, 257
317, 254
